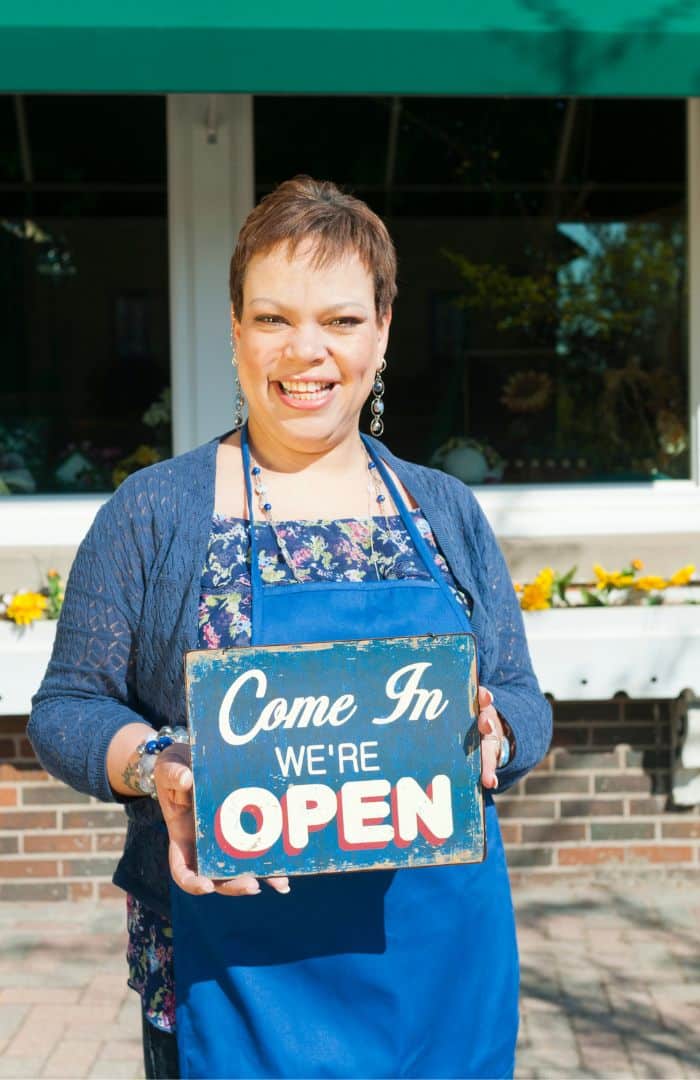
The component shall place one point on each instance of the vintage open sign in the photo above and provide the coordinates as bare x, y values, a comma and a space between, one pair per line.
335, 756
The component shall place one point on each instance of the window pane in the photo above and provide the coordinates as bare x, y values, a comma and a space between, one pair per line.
540, 329
83, 291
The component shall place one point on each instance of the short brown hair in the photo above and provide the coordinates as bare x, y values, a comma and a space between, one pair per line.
316, 210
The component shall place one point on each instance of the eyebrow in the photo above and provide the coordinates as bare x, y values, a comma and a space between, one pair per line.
329, 307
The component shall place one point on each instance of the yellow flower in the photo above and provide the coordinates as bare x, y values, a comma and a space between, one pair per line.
545, 579
650, 582
25, 607
682, 576
517, 586
613, 579
535, 597
637, 564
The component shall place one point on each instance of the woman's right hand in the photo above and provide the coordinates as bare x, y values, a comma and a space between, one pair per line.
174, 782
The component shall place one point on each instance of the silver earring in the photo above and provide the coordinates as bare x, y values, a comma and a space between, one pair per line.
240, 400
377, 405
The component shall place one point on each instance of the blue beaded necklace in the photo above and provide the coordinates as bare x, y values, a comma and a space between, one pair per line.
374, 486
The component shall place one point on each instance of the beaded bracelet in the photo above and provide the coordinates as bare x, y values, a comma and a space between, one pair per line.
148, 752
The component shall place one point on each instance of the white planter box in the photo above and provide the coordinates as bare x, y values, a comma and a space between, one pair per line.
24, 655
590, 654
580, 654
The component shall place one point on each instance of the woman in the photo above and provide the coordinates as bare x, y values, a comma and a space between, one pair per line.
412, 973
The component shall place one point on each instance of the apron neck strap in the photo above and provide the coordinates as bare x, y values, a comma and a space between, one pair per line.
245, 455
405, 513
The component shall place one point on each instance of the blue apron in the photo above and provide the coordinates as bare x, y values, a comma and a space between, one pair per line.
409, 973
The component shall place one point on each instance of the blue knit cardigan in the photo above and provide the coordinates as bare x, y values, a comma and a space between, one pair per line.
130, 614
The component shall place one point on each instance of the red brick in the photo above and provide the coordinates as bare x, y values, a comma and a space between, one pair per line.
8, 796
108, 891
33, 890
511, 832
110, 841
32, 868
524, 808
553, 832
622, 830
521, 856
557, 785
590, 856
26, 750
57, 842
592, 808
623, 782
586, 759
52, 793
95, 818
583, 713
94, 867
27, 819
660, 853
81, 890
681, 829
654, 804
570, 736
9, 845
644, 735
16, 725
19, 771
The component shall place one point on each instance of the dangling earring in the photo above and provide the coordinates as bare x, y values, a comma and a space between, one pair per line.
240, 400
377, 405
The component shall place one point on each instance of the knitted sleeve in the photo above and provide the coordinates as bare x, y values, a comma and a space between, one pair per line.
509, 673
88, 692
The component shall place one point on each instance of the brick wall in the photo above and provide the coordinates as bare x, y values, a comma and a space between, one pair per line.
600, 800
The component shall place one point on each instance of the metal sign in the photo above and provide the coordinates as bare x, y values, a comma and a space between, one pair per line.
335, 756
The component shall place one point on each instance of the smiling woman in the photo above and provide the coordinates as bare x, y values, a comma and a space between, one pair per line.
296, 528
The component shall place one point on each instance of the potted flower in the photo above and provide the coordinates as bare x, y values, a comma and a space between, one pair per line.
625, 631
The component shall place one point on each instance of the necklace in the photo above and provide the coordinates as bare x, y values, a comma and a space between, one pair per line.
374, 487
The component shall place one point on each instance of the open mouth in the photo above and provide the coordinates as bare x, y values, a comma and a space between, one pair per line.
305, 389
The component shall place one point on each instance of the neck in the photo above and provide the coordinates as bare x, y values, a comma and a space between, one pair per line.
275, 455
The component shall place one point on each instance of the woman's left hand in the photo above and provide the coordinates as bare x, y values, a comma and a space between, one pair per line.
491, 732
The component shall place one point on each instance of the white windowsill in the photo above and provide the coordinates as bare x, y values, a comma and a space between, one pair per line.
532, 510
583, 654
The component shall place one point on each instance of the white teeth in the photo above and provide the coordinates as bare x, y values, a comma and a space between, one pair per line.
304, 387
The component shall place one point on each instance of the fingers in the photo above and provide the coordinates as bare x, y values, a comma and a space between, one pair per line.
491, 732
183, 873
279, 884
485, 697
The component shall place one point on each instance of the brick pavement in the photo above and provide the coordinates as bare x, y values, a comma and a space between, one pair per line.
610, 984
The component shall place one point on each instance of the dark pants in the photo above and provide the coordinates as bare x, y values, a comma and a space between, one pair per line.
160, 1058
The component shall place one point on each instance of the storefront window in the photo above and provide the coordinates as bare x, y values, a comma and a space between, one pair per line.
84, 389
540, 332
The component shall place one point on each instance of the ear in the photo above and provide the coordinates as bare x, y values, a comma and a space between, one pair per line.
235, 326
383, 331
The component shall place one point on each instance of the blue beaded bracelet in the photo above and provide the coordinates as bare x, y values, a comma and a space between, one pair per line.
148, 752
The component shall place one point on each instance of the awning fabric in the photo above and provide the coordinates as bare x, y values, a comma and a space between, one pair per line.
523, 47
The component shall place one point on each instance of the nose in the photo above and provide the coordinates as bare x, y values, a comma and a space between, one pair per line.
307, 344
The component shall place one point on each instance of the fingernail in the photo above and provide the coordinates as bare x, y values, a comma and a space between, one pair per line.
252, 890
208, 886
284, 891
495, 781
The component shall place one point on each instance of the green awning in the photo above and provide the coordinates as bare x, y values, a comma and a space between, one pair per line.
545, 47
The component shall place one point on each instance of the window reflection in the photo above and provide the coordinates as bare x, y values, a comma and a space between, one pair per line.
84, 393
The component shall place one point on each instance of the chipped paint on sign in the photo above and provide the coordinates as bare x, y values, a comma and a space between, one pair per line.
335, 756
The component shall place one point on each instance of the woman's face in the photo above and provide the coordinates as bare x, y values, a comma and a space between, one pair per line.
309, 343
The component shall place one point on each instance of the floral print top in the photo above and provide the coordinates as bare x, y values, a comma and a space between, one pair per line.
340, 550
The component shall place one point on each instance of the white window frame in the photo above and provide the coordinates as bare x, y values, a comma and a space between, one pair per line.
210, 190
